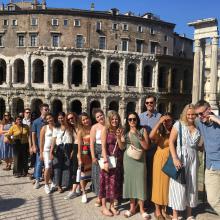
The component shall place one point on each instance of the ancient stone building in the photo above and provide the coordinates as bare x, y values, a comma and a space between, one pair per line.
80, 59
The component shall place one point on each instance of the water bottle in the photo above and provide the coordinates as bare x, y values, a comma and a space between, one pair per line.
78, 174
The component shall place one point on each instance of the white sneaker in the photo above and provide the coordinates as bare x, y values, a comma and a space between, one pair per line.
70, 195
47, 189
37, 184
52, 186
84, 198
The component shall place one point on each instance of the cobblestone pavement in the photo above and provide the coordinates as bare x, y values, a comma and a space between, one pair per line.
18, 200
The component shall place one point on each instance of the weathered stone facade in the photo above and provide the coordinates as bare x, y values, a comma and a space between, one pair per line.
77, 60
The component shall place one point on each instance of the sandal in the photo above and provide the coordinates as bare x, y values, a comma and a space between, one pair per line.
191, 218
115, 211
128, 214
145, 216
98, 203
106, 212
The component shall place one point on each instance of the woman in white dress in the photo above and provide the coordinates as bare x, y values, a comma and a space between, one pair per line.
184, 196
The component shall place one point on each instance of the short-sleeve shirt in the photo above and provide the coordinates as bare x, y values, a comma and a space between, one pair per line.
211, 136
36, 127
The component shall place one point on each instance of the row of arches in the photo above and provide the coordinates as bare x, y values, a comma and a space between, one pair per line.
76, 106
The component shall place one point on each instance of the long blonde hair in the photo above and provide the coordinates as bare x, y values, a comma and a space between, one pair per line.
183, 115
109, 117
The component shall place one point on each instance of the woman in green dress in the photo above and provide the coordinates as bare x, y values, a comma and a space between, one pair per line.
135, 170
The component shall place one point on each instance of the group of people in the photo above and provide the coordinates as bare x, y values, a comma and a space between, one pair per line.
122, 162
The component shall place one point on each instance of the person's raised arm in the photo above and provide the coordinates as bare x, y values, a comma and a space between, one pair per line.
120, 138
144, 140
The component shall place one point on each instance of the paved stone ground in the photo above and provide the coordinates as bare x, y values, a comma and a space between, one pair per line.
18, 200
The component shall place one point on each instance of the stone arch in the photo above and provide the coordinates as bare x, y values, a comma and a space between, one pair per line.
175, 83
163, 78
175, 111
56, 107
114, 74
187, 81
2, 108
38, 71
77, 73
95, 74
113, 105
19, 71
17, 106
57, 71
130, 107
35, 106
2, 71
93, 105
148, 74
161, 108
76, 106
131, 75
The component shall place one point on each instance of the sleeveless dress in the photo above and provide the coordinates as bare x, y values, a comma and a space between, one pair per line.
95, 167
111, 182
86, 168
135, 174
160, 186
6, 149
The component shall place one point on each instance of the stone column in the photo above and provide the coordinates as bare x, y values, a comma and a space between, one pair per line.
123, 75
156, 73
105, 81
66, 73
47, 79
86, 73
214, 74
9, 74
105, 107
140, 105
140, 76
27, 77
169, 80
122, 108
196, 72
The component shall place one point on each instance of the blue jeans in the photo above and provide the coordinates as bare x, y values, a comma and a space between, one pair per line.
38, 167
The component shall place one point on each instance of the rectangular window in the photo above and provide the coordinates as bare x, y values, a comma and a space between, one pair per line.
5, 22
14, 22
99, 26
79, 41
65, 22
125, 27
165, 38
102, 43
55, 22
124, 45
34, 21
165, 51
152, 31
140, 28
77, 23
21, 40
55, 40
1, 41
153, 48
139, 46
33, 40
114, 26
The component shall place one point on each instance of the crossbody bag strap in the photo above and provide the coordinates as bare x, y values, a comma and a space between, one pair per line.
181, 141
114, 148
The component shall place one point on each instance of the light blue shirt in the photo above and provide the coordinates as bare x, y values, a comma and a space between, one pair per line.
211, 137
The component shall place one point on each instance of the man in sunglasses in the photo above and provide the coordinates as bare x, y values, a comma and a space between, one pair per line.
149, 119
209, 126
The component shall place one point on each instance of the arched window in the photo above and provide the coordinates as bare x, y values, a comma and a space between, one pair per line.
2, 108
175, 83
93, 105
57, 71
19, 71
95, 74
187, 81
17, 106
147, 79
113, 106
38, 71
114, 74
77, 73
35, 106
130, 107
2, 71
76, 106
56, 107
131, 75
161, 108
163, 78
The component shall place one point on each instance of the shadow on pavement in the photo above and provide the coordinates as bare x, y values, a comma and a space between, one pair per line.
9, 204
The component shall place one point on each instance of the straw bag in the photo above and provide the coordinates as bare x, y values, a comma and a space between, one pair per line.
134, 152
112, 160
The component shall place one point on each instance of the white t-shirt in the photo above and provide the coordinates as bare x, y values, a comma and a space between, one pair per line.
62, 137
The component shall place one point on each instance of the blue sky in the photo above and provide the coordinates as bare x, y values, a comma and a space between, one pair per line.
179, 12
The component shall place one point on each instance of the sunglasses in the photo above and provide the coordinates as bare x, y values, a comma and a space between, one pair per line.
28, 112
70, 118
201, 113
149, 103
132, 119
6, 115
